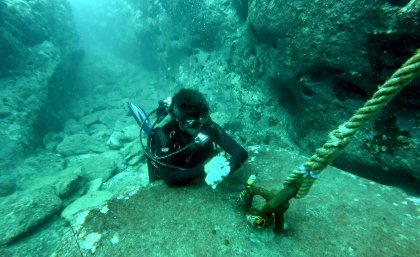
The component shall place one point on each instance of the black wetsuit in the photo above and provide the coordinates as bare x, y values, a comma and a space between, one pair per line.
169, 138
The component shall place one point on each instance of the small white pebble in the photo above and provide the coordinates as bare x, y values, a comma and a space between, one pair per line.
395, 204
255, 149
115, 239
104, 209
132, 193
404, 202
355, 199
408, 215
415, 200
90, 242
350, 175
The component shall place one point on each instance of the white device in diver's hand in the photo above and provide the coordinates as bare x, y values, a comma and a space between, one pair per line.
216, 169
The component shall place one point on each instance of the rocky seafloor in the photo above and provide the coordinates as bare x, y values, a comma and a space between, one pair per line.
277, 75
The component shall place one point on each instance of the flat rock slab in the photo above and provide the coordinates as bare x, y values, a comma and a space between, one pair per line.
76, 145
87, 201
343, 215
25, 210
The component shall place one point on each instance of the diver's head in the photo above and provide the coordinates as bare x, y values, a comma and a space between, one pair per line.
190, 110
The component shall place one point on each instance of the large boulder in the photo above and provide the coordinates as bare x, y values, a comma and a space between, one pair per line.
38, 171
22, 96
36, 37
86, 202
24, 211
100, 165
127, 181
28, 23
81, 144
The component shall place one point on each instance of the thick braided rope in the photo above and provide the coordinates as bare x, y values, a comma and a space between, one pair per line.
339, 138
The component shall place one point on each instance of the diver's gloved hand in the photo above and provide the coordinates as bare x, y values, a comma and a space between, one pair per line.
216, 169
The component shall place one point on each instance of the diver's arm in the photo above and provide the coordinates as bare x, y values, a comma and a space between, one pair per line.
183, 177
238, 155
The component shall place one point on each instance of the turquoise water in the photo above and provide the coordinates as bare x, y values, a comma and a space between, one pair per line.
278, 77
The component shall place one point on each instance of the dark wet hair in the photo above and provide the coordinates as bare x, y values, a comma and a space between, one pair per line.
191, 102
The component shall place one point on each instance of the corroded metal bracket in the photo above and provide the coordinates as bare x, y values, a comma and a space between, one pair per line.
277, 202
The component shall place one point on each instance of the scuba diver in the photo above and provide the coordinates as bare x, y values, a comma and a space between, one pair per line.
183, 143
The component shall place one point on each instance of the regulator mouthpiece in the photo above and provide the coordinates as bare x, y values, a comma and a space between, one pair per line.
167, 102
201, 139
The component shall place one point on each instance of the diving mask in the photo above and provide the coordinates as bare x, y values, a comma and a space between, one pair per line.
194, 124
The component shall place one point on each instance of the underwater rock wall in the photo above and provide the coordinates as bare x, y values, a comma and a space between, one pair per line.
338, 53
35, 38
295, 70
